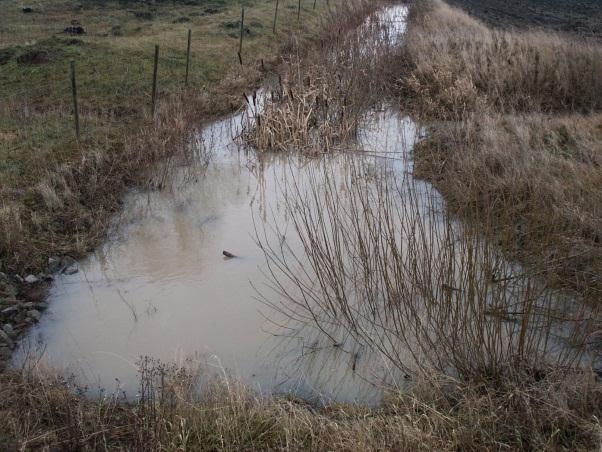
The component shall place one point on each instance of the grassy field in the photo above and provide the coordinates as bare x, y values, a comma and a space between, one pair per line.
51, 204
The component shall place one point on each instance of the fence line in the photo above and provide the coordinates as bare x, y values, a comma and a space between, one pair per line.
81, 84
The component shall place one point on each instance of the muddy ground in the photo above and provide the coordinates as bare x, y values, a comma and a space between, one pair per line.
582, 17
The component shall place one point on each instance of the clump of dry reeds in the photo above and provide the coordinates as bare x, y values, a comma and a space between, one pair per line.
320, 102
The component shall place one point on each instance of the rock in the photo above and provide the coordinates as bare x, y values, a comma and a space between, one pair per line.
54, 264
6, 339
31, 279
34, 314
71, 269
8, 329
9, 311
42, 306
4, 353
75, 30
27, 9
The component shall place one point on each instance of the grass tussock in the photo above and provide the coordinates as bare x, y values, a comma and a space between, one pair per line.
515, 139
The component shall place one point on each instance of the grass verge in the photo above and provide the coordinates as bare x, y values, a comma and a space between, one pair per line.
515, 136
39, 410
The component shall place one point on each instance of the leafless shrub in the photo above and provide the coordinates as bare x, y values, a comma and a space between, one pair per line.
381, 259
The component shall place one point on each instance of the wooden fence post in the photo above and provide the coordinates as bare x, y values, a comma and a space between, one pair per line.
242, 30
188, 57
275, 16
155, 68
74, 92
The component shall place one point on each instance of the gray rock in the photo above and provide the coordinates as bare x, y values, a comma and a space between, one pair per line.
8, 329
4, 353
6, 339
71, 269
42, 306
10, 310
54, 264
31, 279
34, 314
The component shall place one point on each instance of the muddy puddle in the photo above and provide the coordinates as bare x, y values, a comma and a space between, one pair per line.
163, 287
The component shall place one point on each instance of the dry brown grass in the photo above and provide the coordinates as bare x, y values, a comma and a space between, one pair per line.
515, 136
39, 410
535, 182
320, 102
455, 65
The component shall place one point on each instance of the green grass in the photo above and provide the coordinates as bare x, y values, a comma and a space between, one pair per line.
114, 64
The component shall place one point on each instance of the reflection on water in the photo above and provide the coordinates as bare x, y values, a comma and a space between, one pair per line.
162, 287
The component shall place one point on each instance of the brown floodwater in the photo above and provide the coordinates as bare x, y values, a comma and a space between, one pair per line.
162, 287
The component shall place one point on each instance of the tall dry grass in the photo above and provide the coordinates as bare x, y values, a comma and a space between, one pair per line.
534, 183
41, 411
454, 65
515, 137
319, 103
